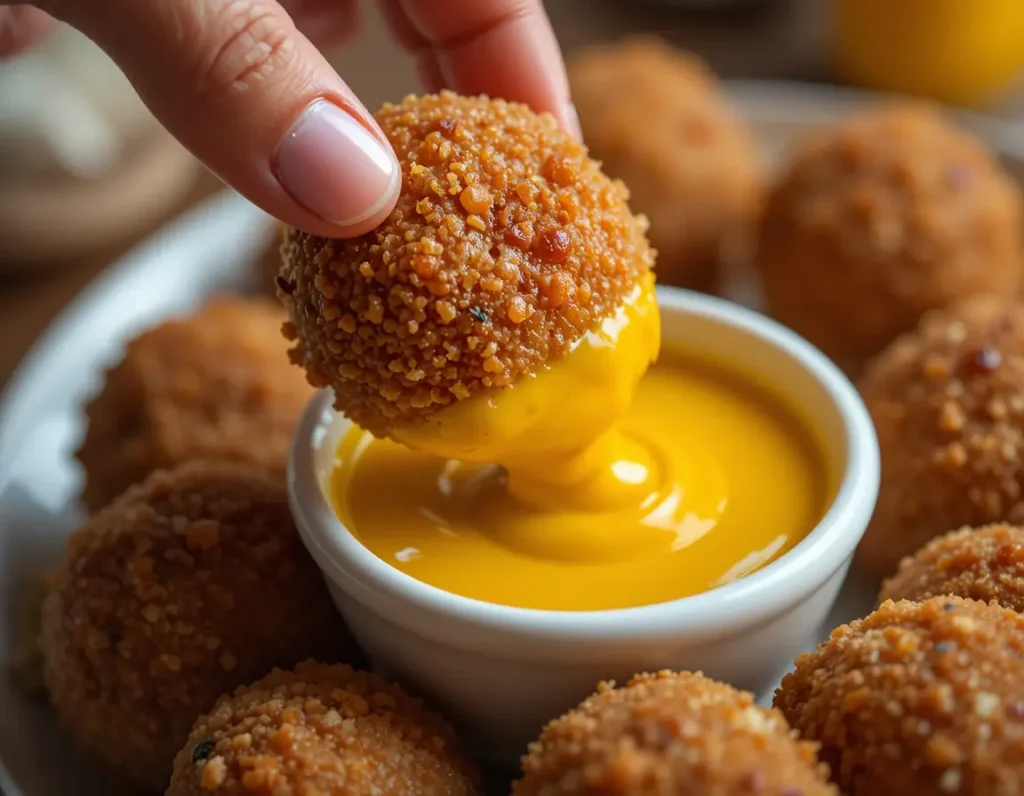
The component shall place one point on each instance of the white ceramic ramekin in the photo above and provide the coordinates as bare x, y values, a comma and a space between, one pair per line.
499, 672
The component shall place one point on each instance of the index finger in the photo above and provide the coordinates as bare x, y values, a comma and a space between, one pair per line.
21, 27
502, 48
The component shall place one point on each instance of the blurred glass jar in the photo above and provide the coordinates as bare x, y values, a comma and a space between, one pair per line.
83, 164
962, 52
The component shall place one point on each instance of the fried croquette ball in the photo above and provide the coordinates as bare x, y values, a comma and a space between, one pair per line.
918, 698
669, 734
947, 402
656, 118
185, 587
893, 213
985, 564
507, 245
215, 385
322, 730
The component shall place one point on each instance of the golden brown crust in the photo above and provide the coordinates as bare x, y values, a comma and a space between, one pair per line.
322, 730
506, 246
189, 584
891, 214
215, 385
669, 734
656, 118
947, 402
985, 564
918, 698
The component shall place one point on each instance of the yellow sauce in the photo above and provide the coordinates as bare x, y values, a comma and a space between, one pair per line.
697, 478
556, 432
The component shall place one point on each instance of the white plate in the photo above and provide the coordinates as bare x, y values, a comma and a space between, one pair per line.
210, 249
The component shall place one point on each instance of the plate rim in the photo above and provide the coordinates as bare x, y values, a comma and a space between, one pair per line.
107, 283
823, 100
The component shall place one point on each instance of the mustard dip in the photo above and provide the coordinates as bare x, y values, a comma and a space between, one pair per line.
711, 477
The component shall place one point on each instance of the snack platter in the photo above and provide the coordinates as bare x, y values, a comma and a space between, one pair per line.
211, 250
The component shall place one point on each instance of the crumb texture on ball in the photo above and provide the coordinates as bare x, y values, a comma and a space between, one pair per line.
214, 385
917, 698
322, 730
656, 118
893, 213
947, 401
188, 585
668, 734
985, 564
507, 245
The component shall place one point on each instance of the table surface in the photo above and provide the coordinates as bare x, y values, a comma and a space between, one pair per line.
787, 41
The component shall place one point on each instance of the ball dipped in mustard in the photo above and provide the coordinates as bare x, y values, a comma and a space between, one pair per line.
507, 245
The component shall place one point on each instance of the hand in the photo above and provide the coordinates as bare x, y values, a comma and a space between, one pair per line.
242, 84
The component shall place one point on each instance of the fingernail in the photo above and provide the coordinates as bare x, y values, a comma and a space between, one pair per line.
332, 165
573, 120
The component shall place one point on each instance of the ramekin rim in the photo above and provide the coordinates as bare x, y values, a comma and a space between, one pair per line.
777, 586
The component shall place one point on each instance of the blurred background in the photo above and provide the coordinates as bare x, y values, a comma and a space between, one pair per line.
79, 190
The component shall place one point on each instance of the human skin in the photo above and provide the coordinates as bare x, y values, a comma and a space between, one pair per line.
243, 85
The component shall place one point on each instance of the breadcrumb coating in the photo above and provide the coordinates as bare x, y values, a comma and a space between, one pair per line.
322, 730
191, 583
947, 402
670, 734
214, 385
918, 698
507, 245
985, 564
893, 213
656, 118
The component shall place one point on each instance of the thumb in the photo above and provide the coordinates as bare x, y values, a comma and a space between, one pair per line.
251, 97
